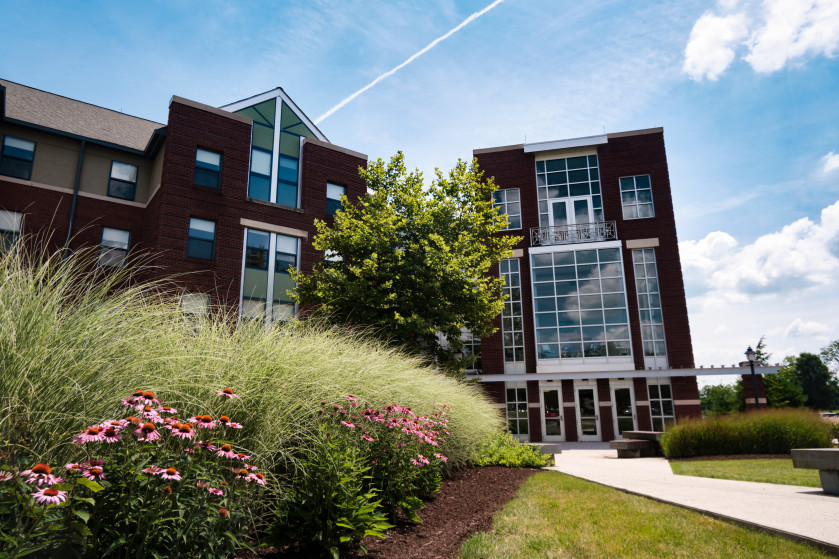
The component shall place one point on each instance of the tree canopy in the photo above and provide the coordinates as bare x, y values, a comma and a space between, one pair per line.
412, 262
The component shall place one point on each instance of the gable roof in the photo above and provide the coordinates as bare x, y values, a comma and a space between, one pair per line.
28, 105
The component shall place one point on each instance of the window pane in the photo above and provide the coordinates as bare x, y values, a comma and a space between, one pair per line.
18, 147
261, 162
121, 189
124, 171
334, 192
208, 159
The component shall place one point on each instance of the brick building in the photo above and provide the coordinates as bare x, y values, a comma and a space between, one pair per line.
226, 198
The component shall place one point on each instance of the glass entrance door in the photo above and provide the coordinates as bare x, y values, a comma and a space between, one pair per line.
588, 416
552, 417
623, 406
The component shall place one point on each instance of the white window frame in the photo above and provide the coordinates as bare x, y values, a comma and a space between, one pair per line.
506, 204
627, 206
11, 224
109, 247
272, 263
665, 419
649, 302
520, 413
516, 365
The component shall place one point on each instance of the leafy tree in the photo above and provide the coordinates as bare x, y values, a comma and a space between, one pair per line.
830, 354
783, 389
761, 356
819, 385
410, 262
720, 398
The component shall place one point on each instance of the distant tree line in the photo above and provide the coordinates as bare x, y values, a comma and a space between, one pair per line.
803, 381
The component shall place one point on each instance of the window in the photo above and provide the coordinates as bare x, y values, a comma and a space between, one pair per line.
574, 180
661, 403
17, 157
195, 304
580, 304
472, 352
123, 183
637, 197
267, 277
259, 186
507, 202
517, 422
113, 249
333, 197
9, 229
202, 239
512, 328
207, 168
649, 304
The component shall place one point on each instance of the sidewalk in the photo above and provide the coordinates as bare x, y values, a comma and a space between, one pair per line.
803, 512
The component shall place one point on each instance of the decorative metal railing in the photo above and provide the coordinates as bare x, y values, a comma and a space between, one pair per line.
577, 233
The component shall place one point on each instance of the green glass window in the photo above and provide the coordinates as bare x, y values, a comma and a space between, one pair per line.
201, 242
16, 157
333, 198
207, 168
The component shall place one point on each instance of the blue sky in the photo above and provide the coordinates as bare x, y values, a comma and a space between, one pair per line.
746, 91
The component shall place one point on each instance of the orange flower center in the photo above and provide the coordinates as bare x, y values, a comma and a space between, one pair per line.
260, 476
206, 418
171, 471
41, 469
94, 430
241, 454
96, 471
110, 432
224, 419
148, 395
228, 391
167, 489
226, 447
132, 419
148, 427
50, 492
146, 409
186, 428
137, 393
222, 512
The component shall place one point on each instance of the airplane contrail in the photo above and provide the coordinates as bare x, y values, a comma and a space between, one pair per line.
413, 57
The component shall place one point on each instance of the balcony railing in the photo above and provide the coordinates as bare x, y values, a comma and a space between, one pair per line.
577, 233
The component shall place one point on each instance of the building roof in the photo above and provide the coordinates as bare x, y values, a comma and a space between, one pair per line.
48, 110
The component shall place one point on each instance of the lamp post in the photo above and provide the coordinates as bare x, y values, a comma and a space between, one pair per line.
751, 355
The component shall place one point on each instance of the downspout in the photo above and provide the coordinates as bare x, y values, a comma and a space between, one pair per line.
75, 198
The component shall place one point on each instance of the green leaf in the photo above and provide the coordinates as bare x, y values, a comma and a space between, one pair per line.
83, 514
90, 484
87, 500
334, 552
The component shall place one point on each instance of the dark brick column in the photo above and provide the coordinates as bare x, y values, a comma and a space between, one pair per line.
534, 410
749, 393
604, 396
569, 411
642, 404
685, 397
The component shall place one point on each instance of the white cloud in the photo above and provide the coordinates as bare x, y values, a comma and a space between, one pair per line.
774, 33
799, 328
710, 49
830, 162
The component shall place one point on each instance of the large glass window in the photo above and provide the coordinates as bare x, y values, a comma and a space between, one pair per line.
507, 201
195, 305
472, 352
571, 179
649, 303
580, 304
113, 249
637, 197
517, 422
512, 329
16, 157
123, 182
333, 197
207, 168
10, 223
661, 403
201, 242
262, 148
268, 257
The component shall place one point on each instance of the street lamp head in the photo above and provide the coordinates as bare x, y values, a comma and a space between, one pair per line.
750, 354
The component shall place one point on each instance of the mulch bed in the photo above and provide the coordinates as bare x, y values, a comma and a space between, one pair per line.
732, 457
466, 503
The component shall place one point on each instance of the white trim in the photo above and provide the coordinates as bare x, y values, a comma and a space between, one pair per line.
752, 400
271, 228
280, 94
575, 246
272, 270
627, 374
299, 172
275, 153
564, 144
692, 402
531, 405
242, 277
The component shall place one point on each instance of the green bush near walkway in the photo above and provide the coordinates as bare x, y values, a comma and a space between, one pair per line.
773, 431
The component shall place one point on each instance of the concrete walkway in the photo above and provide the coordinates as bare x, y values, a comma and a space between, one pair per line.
805, 513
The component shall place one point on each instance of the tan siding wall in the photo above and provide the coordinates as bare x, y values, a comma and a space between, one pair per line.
55, 156
96, 171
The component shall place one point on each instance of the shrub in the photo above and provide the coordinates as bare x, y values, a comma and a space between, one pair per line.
774, 431
503, 449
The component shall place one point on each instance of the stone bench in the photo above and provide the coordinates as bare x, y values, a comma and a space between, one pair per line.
652, 436
548, 448
825, 460
633, 448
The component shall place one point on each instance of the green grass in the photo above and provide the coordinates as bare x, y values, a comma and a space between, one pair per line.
75, 340
765, 470
555, 515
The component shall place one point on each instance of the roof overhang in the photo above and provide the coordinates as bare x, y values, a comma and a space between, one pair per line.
649, 373
565, 144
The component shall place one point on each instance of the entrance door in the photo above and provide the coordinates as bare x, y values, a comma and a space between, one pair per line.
552, 418
571, 215
588, 412
623, 408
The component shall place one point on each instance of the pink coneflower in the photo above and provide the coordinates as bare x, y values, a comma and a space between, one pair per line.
91, 434
148, 432
203, 421
225, 422
420, 460
148, 399
440, 456
242, 456
215, 491
222, 512
93, 463
152, 470
200, 484
110, 435
256, 478
94, 473
166, 409
250, 467
170, 473
240, 473
151, 414
226, 393
183, 431
348, 424
117, 424
40, 474
6, 476
50, 496
205, 445
366, 438
226, 451
72, 467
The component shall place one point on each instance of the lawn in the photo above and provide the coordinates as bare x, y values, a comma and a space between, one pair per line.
764, 470
555, 515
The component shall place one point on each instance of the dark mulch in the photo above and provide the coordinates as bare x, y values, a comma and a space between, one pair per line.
466, 503
732, 457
